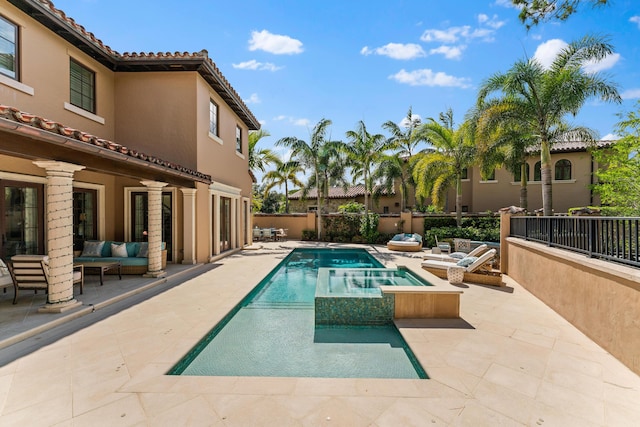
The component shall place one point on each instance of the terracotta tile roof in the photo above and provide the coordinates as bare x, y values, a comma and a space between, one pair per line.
569, 146
55, 19
15, 115
338, 192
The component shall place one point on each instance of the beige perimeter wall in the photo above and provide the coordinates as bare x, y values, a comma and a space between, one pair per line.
600, 298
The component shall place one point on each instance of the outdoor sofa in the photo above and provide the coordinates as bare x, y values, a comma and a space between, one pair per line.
405, 242
134, 261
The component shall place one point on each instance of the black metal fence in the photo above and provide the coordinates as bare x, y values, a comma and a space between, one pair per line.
609, 238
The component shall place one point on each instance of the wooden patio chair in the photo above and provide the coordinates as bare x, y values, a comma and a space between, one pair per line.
31, 272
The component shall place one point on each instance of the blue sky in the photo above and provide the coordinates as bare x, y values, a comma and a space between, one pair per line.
296, 62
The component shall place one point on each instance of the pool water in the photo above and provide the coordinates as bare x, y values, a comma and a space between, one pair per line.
272, 332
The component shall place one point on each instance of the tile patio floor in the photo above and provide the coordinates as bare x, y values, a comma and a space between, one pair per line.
510, 361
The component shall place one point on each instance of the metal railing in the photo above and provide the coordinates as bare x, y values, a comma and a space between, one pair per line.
609, 238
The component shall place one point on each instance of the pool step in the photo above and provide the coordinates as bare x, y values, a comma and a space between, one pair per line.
286, 305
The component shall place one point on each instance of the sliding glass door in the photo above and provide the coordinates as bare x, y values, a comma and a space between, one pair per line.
22, 220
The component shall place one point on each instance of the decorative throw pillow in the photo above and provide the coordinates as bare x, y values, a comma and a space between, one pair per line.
467, 261
458, 255
4, 270
144, 250
119, 251
92, 249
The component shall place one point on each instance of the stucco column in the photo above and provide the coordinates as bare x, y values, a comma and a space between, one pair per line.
154, 195
189, 229
215, 212
234, 223
60, 235
407, 217
505, 231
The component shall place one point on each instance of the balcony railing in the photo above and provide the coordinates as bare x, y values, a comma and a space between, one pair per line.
609, 238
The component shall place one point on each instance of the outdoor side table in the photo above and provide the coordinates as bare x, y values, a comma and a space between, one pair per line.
455, 274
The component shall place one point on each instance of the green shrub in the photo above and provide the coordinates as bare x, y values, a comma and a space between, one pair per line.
439, 221
309, 235
351, 207
342, 227
369, 227
473, 233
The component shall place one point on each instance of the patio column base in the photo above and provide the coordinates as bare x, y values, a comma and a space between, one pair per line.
60, 307
155, 274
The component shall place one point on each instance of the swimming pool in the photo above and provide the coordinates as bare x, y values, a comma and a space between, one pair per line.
272, 331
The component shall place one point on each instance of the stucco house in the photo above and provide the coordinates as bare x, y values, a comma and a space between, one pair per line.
101, 145
573, 167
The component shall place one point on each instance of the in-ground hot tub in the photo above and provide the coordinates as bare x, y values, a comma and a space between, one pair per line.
377, 296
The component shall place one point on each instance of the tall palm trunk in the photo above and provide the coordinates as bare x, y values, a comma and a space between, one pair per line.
459, 201
319, 199
524, 202
545, 170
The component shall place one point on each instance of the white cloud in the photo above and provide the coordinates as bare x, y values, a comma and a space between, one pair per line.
427, 77
631, 94
450, 35
255, 65
455, 34
547, 51
604, 64
415, 118
635, 19
492, 22
293, 120
302, 122
253, 99
396, 51
274, 43
449, 52
610, 137
507, 3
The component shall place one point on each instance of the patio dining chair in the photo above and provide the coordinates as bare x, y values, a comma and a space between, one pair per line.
31, 272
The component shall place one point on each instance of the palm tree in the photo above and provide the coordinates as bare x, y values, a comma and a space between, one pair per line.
315, 155
503, 139
259, 158
391, 169
438, 170
284, 173
406, 138
544, 97
364, 152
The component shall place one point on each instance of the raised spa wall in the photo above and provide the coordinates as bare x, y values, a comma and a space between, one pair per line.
393, 302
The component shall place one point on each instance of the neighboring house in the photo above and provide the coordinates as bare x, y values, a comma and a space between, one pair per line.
573, 177
95, 144
385, 203
572, 169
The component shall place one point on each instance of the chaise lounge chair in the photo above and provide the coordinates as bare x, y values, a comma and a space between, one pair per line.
457, 256
405, 243
31, 272
479, 271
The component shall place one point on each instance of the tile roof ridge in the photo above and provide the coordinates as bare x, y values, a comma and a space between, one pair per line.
18, 116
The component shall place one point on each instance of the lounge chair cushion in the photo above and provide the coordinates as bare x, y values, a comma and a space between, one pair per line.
457, 255
467, 261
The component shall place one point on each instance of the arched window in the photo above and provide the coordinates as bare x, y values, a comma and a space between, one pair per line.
517, 175
537, 172
563, 170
